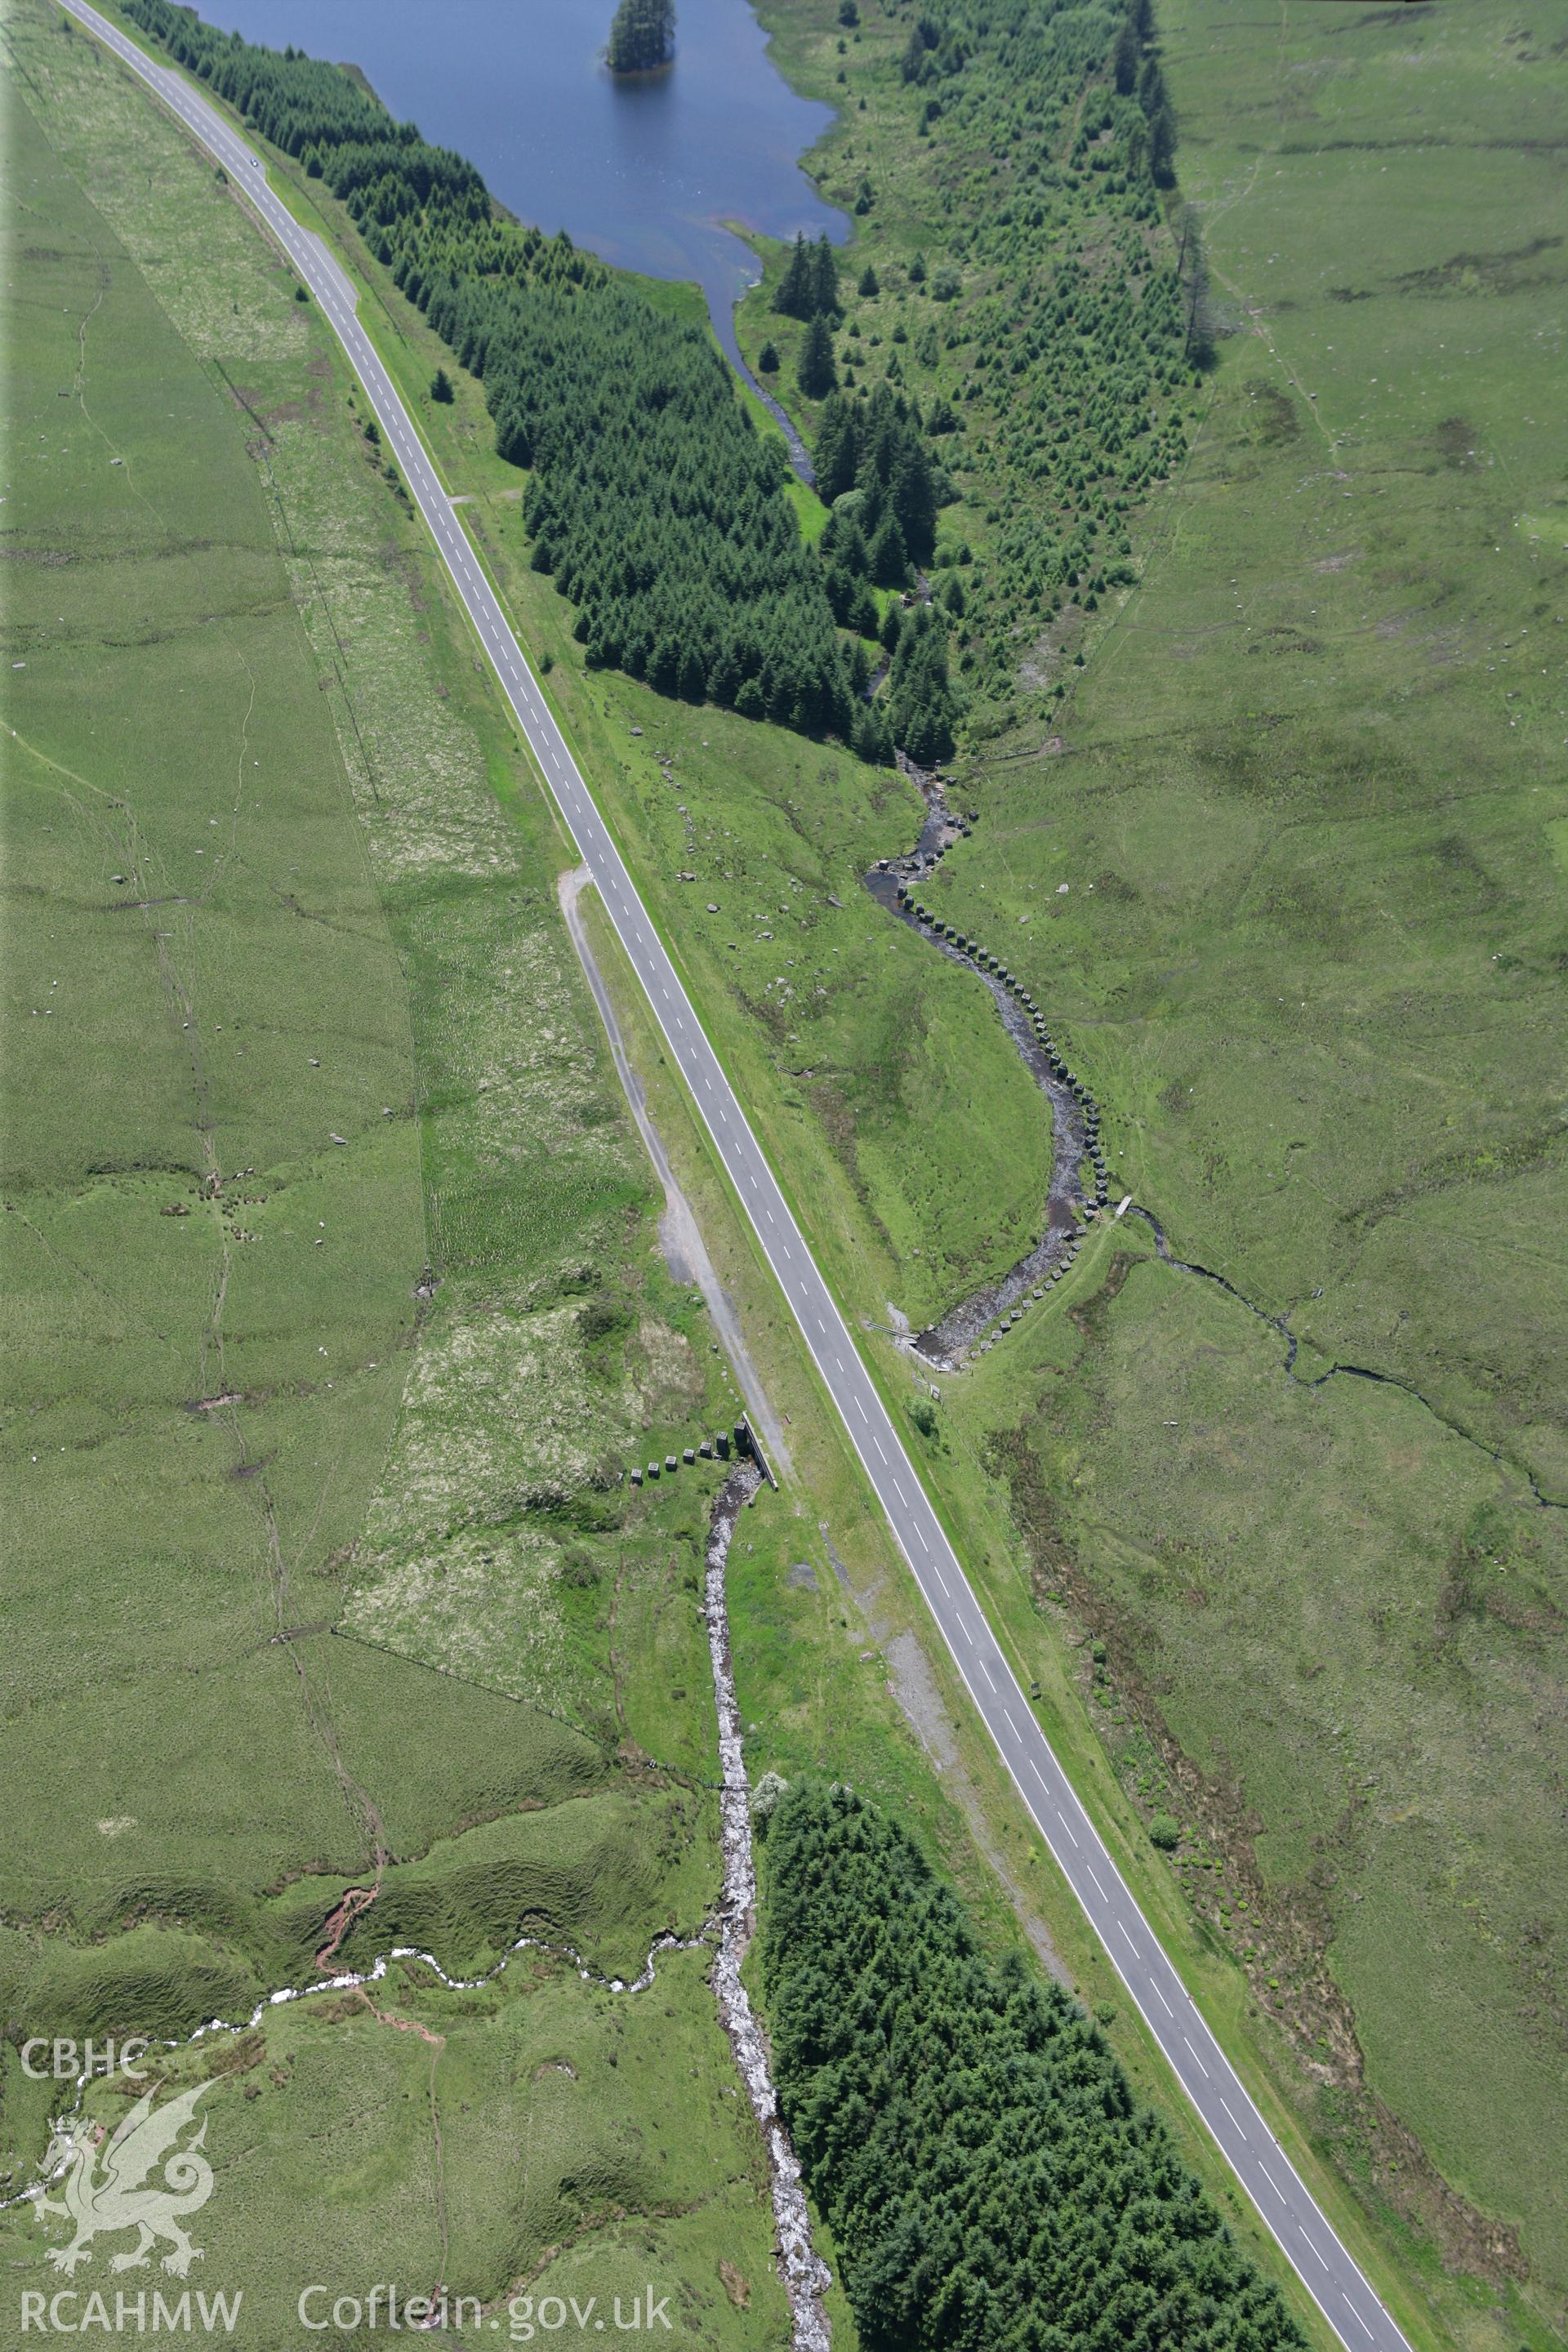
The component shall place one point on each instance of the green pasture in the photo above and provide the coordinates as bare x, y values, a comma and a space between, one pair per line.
334, 1269
533, 2138
1242, 799
1216, 832
1308, 962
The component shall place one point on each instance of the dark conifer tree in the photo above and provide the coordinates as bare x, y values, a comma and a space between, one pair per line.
793, 297
844, 542
823, 276
816, 371
889, 556
1163, 147
912, 495
1126, 57
871, 739
837, 448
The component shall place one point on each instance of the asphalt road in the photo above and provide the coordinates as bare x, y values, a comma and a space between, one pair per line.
1326, 2268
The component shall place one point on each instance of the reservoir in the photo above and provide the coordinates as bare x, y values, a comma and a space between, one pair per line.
643, 171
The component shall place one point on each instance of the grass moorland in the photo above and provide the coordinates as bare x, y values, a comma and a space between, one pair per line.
836, 1662
1051, 1477
165, 1868
1305, 794
298, 1037
1426, 1847
675, 790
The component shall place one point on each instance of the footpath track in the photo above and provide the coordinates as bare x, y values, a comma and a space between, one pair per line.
1323, 2262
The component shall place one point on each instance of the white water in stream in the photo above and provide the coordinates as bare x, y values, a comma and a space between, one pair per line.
804, 2274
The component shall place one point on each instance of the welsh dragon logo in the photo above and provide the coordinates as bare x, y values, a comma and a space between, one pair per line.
111, 2186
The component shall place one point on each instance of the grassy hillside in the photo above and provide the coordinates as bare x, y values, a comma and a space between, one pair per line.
834, 1660
917, 1151
340, 1307
904, 1131
1305, 795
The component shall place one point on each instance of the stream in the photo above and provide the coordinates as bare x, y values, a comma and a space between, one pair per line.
1077, 1189
1079, 1186
730, 1927
805, 2274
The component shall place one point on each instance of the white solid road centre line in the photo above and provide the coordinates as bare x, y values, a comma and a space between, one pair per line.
914, 1524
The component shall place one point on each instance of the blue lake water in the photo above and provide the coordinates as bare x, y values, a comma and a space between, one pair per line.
642, 172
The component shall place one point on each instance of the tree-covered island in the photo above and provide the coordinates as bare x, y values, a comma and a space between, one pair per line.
642, 35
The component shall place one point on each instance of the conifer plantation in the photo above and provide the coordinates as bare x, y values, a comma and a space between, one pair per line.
991, 2182
1067, 361
654, 502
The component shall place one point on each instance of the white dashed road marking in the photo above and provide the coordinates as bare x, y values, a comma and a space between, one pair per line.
840, 1361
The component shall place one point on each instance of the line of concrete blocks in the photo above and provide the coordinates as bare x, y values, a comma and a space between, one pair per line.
738, 1441
987, 961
